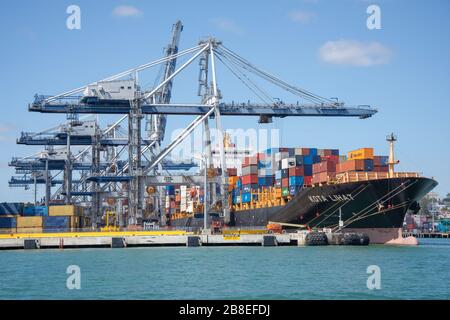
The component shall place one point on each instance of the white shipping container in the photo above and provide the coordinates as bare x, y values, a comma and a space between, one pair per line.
249, 170
288, 163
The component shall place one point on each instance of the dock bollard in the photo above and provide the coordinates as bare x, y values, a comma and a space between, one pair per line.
31, 244
269, 241
193, 241
118, 243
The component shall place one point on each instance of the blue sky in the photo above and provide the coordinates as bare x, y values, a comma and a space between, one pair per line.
323, 46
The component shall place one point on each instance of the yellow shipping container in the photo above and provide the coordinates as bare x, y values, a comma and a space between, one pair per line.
66, 210
361, 154
29, 222
30, 230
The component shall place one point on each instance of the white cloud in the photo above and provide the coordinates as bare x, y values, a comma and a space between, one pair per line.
126, 11
301, 16
226, 25
355, 53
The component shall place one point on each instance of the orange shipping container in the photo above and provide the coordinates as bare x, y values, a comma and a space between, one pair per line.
363, 153
285, 182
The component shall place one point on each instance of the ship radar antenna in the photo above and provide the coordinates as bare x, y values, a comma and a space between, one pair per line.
392, 162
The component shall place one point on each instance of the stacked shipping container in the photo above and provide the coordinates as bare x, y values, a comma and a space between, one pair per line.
55, 218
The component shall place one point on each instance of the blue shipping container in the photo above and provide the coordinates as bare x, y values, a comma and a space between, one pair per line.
308, 170
8, 222
266, 164
291, 152
302, 160
335, 152
296, 181
170, 190
35, 211
368, 165
317, 159
246, 197
266, 181
278, 174
11, 208
59, 222
313, 151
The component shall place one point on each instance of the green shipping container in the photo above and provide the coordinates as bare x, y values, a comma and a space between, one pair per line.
285, 192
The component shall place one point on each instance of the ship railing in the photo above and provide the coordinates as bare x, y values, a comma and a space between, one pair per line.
366, 176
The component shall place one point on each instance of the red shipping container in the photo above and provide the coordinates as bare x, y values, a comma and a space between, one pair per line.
283, 150
248, 161
377, 160
250, 179
327, 152
381, 169
351, 165
285, 182
307, 180
324, 166
232, 172
297, 171
332, 158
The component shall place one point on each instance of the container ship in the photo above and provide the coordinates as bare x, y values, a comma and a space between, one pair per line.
313, 188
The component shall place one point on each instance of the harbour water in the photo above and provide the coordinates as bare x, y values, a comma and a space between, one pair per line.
333, 272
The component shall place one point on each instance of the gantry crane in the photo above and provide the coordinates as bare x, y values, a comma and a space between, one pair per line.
135, 102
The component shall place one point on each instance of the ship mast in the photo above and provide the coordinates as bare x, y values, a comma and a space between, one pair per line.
392, 162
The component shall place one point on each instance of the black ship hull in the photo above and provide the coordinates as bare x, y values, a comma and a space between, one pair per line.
377, 207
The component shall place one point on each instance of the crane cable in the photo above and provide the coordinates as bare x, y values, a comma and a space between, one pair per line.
234, 71
247, 65
275, 80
